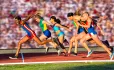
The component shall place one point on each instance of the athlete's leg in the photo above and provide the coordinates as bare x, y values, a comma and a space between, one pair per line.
61, 39
83, 41
71, 43
41, 42
78, 37
24, 39
43, 37
55, 46
96, 39
104, 42
92, 41
76, 47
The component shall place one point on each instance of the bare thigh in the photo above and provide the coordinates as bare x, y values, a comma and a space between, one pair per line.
42, 37
79, 36
24, 39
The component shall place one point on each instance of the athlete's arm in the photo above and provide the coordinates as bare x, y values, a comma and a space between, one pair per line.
77, 27
23, 21
61, 26
45, 22
28, 17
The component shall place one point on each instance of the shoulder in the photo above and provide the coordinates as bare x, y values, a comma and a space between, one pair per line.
57, 24
89, 19
22, 22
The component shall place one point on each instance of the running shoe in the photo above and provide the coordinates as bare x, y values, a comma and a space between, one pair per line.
65, 54
47, 49
14, 57
69, 54
111, 56
74, 54
59, 52
89, 53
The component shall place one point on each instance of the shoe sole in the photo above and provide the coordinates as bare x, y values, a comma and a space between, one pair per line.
12, 58
90, 54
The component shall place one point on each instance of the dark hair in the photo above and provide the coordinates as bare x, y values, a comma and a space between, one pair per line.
86, 13
70, 14
58, 21
53, 17
18, 17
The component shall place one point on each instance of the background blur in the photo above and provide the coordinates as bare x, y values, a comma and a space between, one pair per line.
10, 33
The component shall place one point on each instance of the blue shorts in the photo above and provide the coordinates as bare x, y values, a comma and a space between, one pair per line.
92, 31
47, 33
61, 34
80, 30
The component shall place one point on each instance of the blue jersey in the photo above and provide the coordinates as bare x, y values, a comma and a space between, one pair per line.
27, 29
56, 28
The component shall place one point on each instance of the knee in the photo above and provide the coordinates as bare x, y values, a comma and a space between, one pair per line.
82, 41
19, 43
76, 40
71, 41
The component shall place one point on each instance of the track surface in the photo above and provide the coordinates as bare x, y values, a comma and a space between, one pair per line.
41, 57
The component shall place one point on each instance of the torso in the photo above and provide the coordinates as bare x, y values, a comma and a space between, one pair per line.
42, 25
26, 27
56, 29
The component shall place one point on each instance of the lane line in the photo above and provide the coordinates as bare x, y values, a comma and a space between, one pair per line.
47, 62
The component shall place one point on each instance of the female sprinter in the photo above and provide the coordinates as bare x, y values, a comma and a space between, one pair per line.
77, 17
30, 34
46, 33
80, 32
56, 27
88, 25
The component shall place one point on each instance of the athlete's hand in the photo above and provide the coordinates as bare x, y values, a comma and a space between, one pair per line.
36, 13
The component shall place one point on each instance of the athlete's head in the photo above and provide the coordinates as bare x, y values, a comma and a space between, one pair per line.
52, 19
18, 19
38, 18
85, 15
70, 16
58, 21
77, 15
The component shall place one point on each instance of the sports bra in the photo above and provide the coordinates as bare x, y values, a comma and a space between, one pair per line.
55, 28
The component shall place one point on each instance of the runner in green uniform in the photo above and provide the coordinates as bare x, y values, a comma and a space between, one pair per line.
46, 33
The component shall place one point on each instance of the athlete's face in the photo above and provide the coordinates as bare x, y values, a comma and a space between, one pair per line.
52, 21
17, 21
84, 16
70, 18
37, 19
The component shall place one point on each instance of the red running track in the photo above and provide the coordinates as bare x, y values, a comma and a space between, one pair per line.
41, 57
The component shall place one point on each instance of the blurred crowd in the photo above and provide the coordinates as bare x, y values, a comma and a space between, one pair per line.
10, 33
